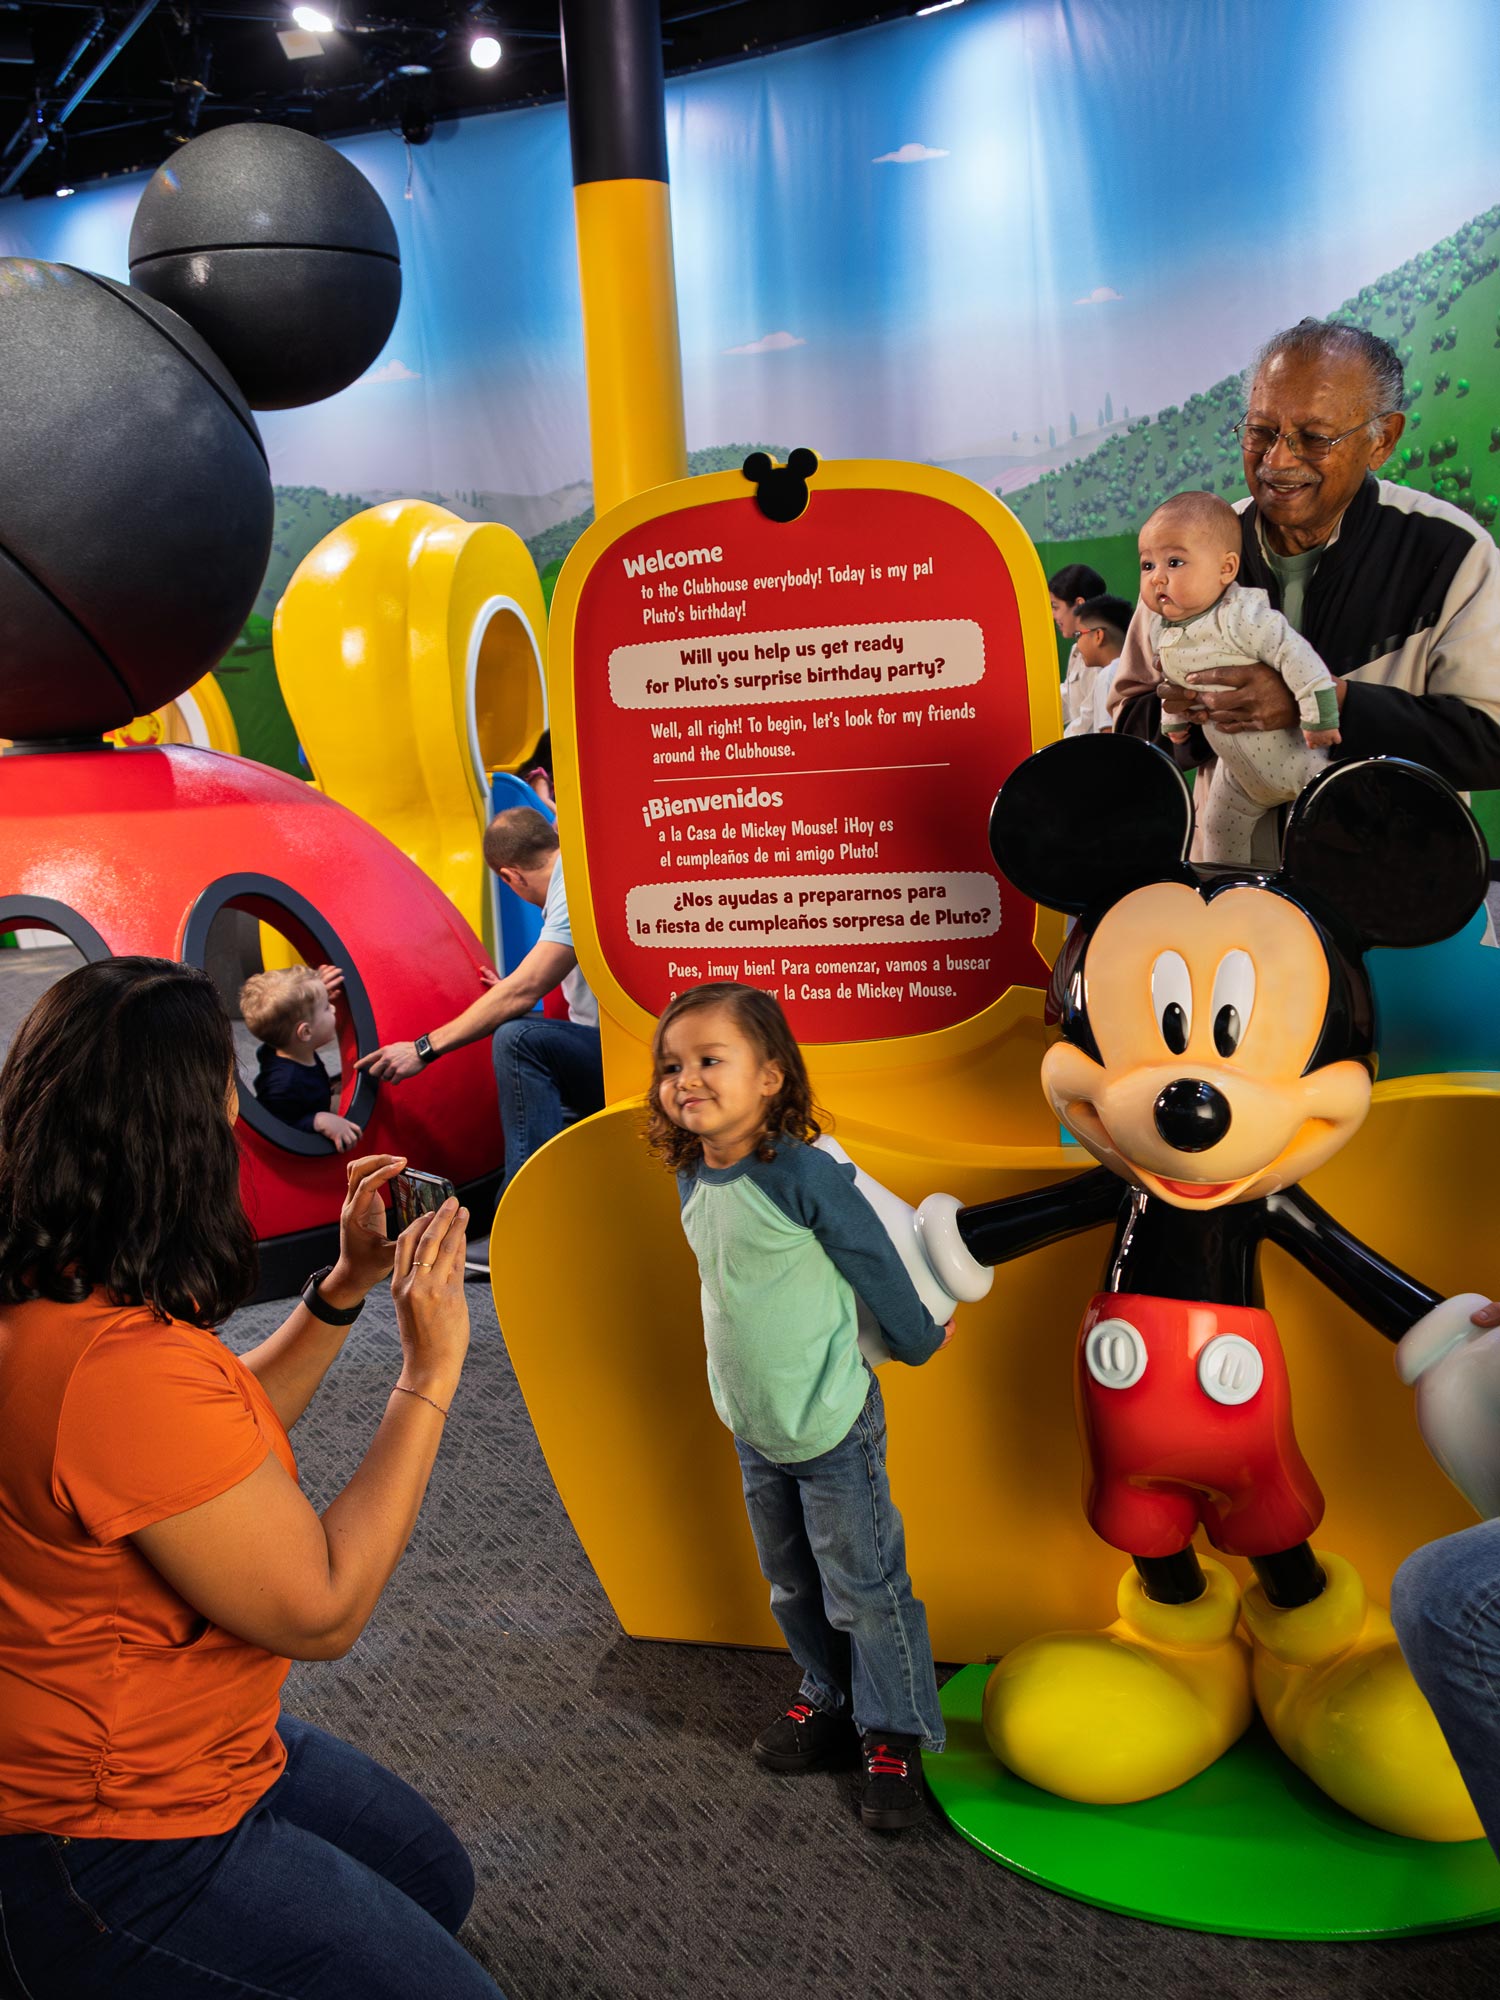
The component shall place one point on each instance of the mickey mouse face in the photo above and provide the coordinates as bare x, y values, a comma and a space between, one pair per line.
1205, 1017
1218, 1031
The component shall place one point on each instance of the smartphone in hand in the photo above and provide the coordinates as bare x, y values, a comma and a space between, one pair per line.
414, 1193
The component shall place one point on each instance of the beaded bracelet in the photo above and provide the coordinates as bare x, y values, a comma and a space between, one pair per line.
402, 1390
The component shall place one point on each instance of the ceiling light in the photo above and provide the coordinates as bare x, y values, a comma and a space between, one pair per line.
297, 45
938, 7
313, 20
413, 69
60, 192
484, 52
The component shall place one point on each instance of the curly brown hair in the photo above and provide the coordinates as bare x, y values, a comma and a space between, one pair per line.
760, 1020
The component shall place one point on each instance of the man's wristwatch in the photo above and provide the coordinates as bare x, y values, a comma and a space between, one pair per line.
319, 1307
426, 1053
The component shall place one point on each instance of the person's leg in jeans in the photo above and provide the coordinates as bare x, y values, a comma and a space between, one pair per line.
1445, 1604
773, 1502
859, 1545
342, 1883
335, 1791
543, 1067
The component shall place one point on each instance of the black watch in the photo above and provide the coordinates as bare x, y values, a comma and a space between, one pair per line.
319, 1307
426, 1053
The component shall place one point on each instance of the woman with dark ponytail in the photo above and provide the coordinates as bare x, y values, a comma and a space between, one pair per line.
164, 1828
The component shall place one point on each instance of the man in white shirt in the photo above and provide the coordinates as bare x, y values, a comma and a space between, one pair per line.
543, 1069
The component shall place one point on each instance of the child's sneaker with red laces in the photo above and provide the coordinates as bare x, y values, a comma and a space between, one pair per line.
803, 1738
893, 1790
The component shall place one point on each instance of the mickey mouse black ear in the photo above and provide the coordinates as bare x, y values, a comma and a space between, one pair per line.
757, 466
801, 462
279, 252
1086, 820
1391, 848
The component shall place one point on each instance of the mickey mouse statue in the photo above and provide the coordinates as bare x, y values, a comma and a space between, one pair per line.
136, 515
1217, 1044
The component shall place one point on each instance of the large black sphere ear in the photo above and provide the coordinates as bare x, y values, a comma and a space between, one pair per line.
136, 510
1086, 820
278, 252
1390, 849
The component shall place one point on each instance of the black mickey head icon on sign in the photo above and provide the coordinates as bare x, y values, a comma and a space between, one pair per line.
781, 490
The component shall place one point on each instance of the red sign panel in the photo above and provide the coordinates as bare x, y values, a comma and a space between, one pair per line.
789, 740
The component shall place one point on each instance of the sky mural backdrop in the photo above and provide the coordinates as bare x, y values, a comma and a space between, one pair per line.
1035, 240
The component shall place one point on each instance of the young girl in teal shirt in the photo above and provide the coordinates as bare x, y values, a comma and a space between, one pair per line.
784, 1241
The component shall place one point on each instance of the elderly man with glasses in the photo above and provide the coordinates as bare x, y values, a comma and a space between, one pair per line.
1397, 591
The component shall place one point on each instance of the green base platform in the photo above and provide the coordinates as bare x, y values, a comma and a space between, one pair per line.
1249, 1849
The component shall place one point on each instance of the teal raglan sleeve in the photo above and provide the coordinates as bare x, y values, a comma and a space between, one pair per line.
819, 1193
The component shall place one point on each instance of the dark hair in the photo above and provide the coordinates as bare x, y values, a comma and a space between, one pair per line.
1074, 580
1336, 340
118, 1162
1113, 613
541, 757
760, 1020
519, 837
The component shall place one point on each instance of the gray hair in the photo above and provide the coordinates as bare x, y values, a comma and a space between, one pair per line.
1335, 340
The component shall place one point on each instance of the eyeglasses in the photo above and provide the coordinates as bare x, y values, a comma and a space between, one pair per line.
1259, 438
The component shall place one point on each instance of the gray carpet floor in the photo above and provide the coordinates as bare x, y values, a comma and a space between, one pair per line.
625, 1844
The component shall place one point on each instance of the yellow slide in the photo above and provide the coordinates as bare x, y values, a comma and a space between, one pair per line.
411, 648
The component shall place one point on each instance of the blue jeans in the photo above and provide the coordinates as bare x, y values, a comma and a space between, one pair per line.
341, 1882
833, 1550
1445, 1603
543, 1068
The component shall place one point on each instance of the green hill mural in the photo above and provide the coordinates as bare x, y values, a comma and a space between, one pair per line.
1441, 310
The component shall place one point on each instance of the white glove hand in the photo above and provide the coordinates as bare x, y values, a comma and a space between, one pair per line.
954, 1266
1455, 1367
903, 1224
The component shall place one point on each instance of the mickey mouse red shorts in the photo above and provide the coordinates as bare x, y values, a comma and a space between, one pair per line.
1186, 1416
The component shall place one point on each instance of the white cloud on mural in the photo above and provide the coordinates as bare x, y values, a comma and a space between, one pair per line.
907, 155
1101, 295
769, 343
393, 371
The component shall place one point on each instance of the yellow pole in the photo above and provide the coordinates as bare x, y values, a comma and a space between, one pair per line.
612, 62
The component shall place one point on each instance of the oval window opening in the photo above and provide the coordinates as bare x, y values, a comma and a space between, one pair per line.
41, 941
243, 925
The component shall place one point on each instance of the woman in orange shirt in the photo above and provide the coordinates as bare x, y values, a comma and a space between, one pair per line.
165, 1832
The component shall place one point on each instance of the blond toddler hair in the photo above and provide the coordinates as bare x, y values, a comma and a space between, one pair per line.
273, 1005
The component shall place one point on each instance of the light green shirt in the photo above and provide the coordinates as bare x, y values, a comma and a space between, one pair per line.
1294, 575
782, 1245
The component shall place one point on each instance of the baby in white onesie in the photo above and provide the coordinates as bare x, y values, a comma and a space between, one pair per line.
1201, 619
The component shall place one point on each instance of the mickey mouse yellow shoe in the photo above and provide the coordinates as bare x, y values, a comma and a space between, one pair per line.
1137, 1709
1340, 1700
